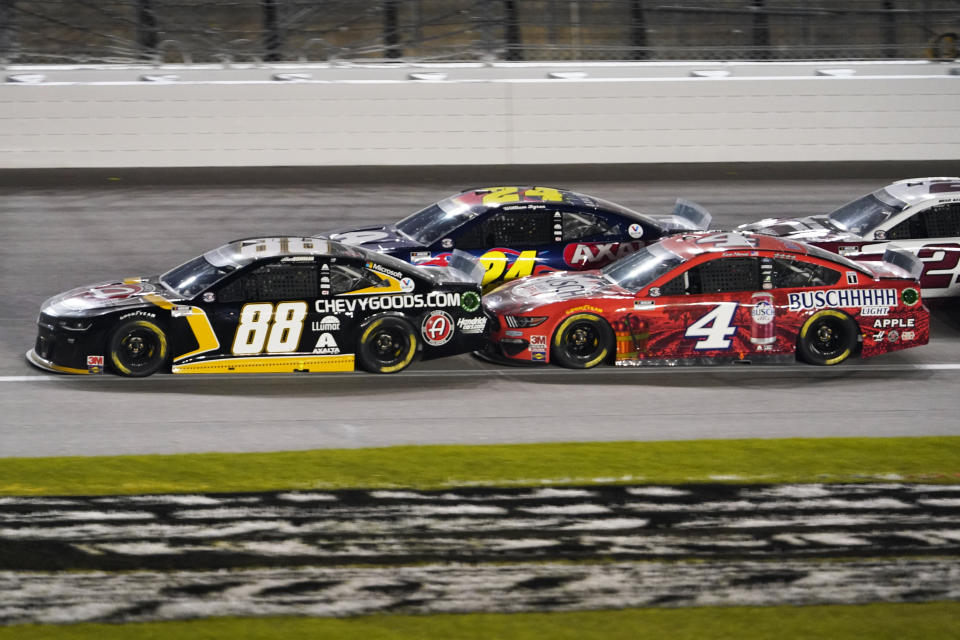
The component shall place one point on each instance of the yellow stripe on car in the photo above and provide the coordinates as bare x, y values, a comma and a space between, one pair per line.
202, 331
285, 364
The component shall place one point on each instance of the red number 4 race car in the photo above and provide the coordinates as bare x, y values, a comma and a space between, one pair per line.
712, 297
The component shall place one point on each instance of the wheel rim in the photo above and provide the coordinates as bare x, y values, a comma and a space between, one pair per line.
583, 341
139, 348
389, 346
827, 338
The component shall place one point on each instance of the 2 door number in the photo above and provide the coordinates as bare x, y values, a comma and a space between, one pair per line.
263, 329
716, 328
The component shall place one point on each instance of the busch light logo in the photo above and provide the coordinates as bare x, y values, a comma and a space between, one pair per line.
842, 298
763, 312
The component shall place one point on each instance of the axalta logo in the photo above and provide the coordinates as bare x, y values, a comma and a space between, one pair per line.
842, 298
326, 345
597, 254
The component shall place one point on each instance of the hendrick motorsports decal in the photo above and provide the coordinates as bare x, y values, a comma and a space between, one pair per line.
842, 298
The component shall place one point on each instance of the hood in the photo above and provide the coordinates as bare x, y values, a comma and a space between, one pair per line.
382, 239
103, 297
530, 293
809, 229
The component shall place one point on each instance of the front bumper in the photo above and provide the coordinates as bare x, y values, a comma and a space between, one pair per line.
46, 365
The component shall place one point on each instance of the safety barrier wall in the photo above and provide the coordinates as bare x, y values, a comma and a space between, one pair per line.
323, 115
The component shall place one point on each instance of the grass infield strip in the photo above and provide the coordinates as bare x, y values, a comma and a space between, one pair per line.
930, 621
920, 459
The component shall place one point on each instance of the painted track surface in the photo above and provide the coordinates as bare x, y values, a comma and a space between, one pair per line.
59, 237
126, 558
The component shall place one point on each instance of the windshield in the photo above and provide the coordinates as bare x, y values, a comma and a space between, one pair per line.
194, 276
437, 221
642, 267
863, 215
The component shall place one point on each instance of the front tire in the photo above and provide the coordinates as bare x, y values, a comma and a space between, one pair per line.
137, 349
387, 345
828, 337
582, 341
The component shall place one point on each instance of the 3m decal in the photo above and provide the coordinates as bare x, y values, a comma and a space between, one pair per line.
437, 328
538, 344
842, 298
94, 364
715, 328
597, 254
261, 328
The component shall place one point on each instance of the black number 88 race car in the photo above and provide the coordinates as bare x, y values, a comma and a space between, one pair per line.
279, 304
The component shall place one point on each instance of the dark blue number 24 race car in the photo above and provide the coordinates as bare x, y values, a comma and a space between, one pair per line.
519, 231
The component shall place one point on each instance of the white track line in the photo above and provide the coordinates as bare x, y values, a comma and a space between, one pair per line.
538, 371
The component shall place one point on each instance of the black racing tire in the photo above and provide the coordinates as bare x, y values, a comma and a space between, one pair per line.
582, 341
137, 348
387, 345
828, 337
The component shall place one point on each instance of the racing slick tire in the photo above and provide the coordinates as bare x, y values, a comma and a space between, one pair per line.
137, 349
828, 337
582, 341
387, 345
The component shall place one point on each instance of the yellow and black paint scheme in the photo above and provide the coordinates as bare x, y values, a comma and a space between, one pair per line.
326, 307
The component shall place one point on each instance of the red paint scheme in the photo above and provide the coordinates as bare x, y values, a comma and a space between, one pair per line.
730, 325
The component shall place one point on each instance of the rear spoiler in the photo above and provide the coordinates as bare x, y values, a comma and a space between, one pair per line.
904, 260
463, 267
686, 216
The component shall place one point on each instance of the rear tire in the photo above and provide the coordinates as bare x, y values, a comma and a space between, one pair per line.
137, 349
828, 337
387, 345
582, 341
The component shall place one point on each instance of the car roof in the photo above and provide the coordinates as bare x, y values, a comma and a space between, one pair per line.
246, 250
475, 197
690, 245
913, 190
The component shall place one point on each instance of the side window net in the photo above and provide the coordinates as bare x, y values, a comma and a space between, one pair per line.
580, 224
788, 274
730, 274
273, 282
521, 228
943, 221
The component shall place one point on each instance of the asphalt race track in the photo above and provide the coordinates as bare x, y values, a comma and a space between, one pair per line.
57, 237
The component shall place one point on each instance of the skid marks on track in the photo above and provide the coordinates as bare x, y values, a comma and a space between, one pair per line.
123, 558
141, 596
